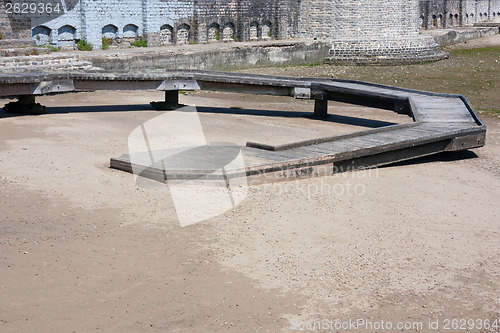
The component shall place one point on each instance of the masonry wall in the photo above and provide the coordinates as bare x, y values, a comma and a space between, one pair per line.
62, 30
165, 22
358, 19
12, 27
453, 13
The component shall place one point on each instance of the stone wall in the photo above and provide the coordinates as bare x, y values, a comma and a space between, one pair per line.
203, 57
368, 31
35, 63
164, 22
453, 13
12, 27
357, 29
358, 19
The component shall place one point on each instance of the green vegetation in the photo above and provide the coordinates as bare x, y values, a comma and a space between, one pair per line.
488, 110
493, 51
83, 45
140, 42
106, 42
192, 42
52, 48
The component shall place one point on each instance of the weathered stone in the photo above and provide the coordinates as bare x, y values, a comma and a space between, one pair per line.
361, 30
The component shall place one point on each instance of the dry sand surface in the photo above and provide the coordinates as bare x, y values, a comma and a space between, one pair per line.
82, 248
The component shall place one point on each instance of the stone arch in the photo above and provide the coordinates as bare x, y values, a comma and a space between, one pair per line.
110, 31
254, 30
228, 32
440, 22
213, 33
267, 30
434, 21
130, 31
41, 35
66, 35
467, 19
166, 35
183, 32
422, 21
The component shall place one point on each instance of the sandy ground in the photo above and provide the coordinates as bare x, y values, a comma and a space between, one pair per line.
82, 248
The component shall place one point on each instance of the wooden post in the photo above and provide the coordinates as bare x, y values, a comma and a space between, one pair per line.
26, 99
172, 97
320, 109
171, 101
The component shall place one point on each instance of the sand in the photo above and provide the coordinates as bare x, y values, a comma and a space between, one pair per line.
82, 248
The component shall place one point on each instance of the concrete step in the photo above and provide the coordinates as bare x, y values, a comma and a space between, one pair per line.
36, 63
16, 43
488, 24
27, 51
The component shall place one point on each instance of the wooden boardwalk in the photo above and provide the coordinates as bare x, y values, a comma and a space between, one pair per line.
442, 122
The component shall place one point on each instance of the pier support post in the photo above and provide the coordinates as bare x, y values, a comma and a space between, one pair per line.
25, 105
171, 101
320, 109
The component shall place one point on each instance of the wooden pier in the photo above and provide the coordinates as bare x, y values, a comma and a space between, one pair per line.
442, 122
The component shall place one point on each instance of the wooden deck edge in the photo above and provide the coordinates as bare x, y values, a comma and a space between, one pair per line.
327, 164
328, 138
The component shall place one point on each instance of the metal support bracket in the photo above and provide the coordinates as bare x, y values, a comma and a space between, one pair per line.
179, 85
55, 86
302, 93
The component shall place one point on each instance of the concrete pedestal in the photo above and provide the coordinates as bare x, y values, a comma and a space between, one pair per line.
25, 105
320, 109
171, 101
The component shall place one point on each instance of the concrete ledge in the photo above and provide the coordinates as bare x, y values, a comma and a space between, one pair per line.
388, 60
487, 24
45, 62
445, 37
227, 56
16, 43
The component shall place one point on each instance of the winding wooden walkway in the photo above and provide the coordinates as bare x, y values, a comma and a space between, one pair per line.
442, 122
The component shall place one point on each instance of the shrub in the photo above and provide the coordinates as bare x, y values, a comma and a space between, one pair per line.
140, 43
52, 48
83, 45
106, 42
